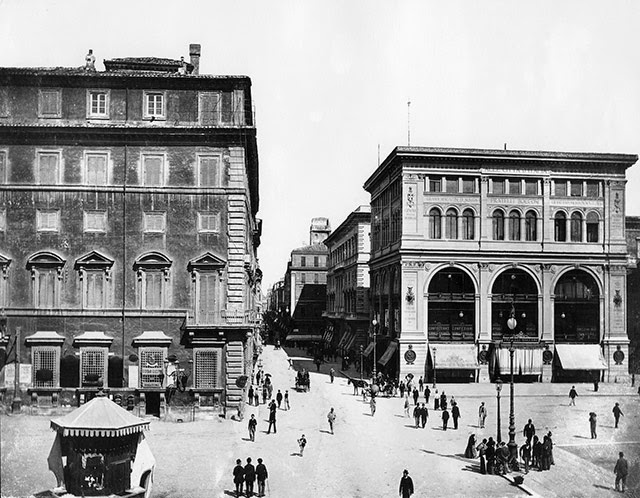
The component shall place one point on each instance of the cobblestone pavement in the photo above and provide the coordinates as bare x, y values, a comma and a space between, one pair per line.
366, 455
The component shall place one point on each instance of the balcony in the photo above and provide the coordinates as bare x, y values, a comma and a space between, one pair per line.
223, 318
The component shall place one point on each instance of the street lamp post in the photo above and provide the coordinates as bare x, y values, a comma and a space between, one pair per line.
16, 404
498, 389
361, 362
434, 367
375, 358
513, 446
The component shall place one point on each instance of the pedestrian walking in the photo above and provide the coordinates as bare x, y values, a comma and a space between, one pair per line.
265, 393
550, 448
302, 442
407, 406
416, 415
331, 418
443, 401
573, 394
529, 431
406, 485
287, 406
455, 414
621, 470
372, 405
445, 419
546, 453
249, 477
238, 477
471, 451
536, 449
436, 401
420, 384
261, 475
427, 394
401, 387
617, 412
482, 451
253, 423
256, 397
482, 415
416, 395
525, 454
279, 398
592, 424
424, 414
332, 374
272, 417
491, 455
250, 394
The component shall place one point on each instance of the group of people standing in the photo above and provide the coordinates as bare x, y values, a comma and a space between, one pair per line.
247, 475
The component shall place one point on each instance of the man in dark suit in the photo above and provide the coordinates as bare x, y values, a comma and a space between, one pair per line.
529, 431
455, 413
249, 476
272, 417
261, 474
445, 419
406, 485
238, 476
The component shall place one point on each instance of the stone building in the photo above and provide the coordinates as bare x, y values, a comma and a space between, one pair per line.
347, 310
305, 284
632, 227
477, 250
128, 230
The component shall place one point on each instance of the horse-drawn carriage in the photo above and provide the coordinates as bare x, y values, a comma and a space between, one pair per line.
302, 381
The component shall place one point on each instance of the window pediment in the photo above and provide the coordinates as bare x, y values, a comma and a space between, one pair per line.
207, 261
46, 259
94, 259
152, 260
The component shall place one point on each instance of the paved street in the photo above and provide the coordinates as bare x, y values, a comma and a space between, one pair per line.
366, 455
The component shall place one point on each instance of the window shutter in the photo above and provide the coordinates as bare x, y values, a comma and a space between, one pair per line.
48, 169
96, 170
49, 103
238, 107
46, 289
207, 298
209, 108
153, 281
208, 171
153, 171
226, 115
3, 168
95, 289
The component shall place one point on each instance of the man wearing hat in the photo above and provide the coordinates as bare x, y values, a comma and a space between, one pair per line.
406, 485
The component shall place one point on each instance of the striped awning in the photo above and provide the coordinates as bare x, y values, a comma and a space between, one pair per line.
391, 348
100, 417
367, 351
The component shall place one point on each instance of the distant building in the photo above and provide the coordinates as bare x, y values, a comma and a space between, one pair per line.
347, 310
473, 249
128, 229
632, 227
306, 283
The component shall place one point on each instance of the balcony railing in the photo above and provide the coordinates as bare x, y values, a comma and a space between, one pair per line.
224, 317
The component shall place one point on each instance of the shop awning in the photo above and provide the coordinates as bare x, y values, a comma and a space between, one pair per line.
526, 361
455, 356
350, 340
367, 351
391, 348
304, 337
580, 357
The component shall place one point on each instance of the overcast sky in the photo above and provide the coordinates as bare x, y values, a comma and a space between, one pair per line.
331, 81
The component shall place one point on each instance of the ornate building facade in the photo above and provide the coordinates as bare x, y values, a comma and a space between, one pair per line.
475, 251
128, 201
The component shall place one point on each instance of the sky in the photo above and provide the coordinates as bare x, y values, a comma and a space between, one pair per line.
331, 82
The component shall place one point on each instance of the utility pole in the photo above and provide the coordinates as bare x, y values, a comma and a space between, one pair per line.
16, 404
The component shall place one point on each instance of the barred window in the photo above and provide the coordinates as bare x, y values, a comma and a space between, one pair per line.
46, 366
93, 366
151, 367
208, 368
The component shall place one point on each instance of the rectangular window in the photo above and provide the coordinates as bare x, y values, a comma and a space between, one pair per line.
209, 171
154, 105
95, 221
515, 186
207, 297
208, 368
560, 188
3, 220
94, 288
303, 261
452, 185
3, 168
316, 278
45, 288
153, 170
498, 186
209, 222
4, 103
47, 220
98, 104
154, 222
96, 169
93, 366
593, 189
46, 366
531, 187
217, 108
153, 281
435, 184
48, 168
303, 278
468, 185
151, 367
315, 261
576, 188
49, 103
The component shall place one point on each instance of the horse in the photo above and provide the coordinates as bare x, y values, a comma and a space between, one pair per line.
357, 383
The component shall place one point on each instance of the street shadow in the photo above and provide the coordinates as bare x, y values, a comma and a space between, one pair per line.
296, 454
230, 493
411, 426
367, 413
581, 437
325, 432
246, 439
600, 486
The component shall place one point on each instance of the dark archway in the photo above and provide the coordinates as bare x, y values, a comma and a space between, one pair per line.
451, 306
514, 296
577, 309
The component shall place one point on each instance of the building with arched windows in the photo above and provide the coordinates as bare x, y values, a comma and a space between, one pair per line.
475, 251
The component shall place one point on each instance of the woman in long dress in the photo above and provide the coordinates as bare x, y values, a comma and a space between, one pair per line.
471, 451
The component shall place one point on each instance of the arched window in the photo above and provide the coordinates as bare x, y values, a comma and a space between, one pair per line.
435, 224
530, 223
576, 227
498, 225
468, 225
560, 224
514, 225
451, 227
592, 227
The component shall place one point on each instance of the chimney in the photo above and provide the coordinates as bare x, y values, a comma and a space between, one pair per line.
194, 52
